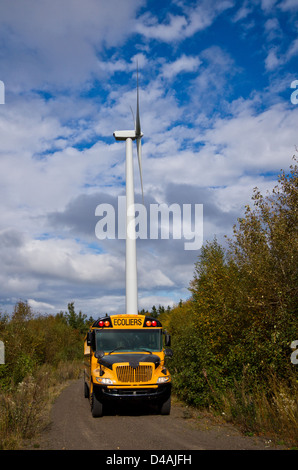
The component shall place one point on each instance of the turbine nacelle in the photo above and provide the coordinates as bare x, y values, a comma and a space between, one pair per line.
123, 135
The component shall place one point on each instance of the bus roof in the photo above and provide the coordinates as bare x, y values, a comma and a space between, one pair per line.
127, 321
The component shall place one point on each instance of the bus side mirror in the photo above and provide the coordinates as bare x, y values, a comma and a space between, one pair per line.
168, 353
91, 339
168, 340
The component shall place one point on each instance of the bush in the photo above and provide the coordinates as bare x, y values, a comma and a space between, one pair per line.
41, 352
234, 333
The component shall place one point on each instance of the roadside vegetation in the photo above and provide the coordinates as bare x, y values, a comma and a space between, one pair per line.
231, 339
41, 354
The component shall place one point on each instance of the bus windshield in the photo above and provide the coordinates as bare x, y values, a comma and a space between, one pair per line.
129, 340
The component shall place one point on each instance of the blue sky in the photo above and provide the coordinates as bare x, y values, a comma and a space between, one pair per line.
215, 98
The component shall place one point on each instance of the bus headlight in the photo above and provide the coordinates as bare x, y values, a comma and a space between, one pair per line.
104, 380
162, 380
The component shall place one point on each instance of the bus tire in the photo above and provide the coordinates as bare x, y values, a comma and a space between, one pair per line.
96, 406
165, 408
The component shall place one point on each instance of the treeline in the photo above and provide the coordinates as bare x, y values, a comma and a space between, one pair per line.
156, 312
232, 338
32, 340
41, 353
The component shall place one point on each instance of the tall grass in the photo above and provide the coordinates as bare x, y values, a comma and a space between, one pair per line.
24, 409
272, 411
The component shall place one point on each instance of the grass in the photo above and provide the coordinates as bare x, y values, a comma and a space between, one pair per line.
272, 411
24, 409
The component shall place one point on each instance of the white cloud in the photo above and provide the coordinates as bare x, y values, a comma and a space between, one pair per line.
179, 27
272, 61
40, 167
60, 259
268, 5
204, 13
292, 51
213, 83
288, 5
35, 305
275, 60
115, 64
247, 142
56, 43
272, 29
171, 30
255, 142
181, 65
243, 12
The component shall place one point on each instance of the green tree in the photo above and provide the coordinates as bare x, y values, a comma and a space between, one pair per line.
154, 312
242, 315
265, 251
77, 321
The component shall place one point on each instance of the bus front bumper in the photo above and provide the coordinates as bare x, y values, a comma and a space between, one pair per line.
159, 393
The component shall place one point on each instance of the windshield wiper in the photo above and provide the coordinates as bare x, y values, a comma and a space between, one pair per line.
120, 347
139, 349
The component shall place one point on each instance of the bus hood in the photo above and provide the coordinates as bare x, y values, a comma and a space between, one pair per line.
132, 359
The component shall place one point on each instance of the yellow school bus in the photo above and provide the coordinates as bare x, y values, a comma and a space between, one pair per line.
124, 359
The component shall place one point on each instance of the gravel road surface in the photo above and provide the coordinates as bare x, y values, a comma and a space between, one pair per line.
72, 427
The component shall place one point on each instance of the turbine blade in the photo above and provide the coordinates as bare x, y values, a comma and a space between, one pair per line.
133, 116
139, 151
138, 122
139, 134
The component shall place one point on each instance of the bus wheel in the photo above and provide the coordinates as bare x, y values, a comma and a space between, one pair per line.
96, 406
165, 408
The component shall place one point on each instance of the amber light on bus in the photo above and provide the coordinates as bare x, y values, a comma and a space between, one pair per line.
103, 323
151, 323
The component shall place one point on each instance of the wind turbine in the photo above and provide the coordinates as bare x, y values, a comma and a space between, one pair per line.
131, 253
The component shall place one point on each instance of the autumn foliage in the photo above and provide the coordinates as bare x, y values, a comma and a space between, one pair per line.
233, 335
42, 352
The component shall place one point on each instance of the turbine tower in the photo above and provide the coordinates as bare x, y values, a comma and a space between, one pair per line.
131, 254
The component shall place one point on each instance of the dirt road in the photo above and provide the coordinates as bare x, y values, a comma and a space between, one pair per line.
72, 427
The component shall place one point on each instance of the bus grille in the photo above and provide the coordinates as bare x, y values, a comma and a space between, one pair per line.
129, 374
